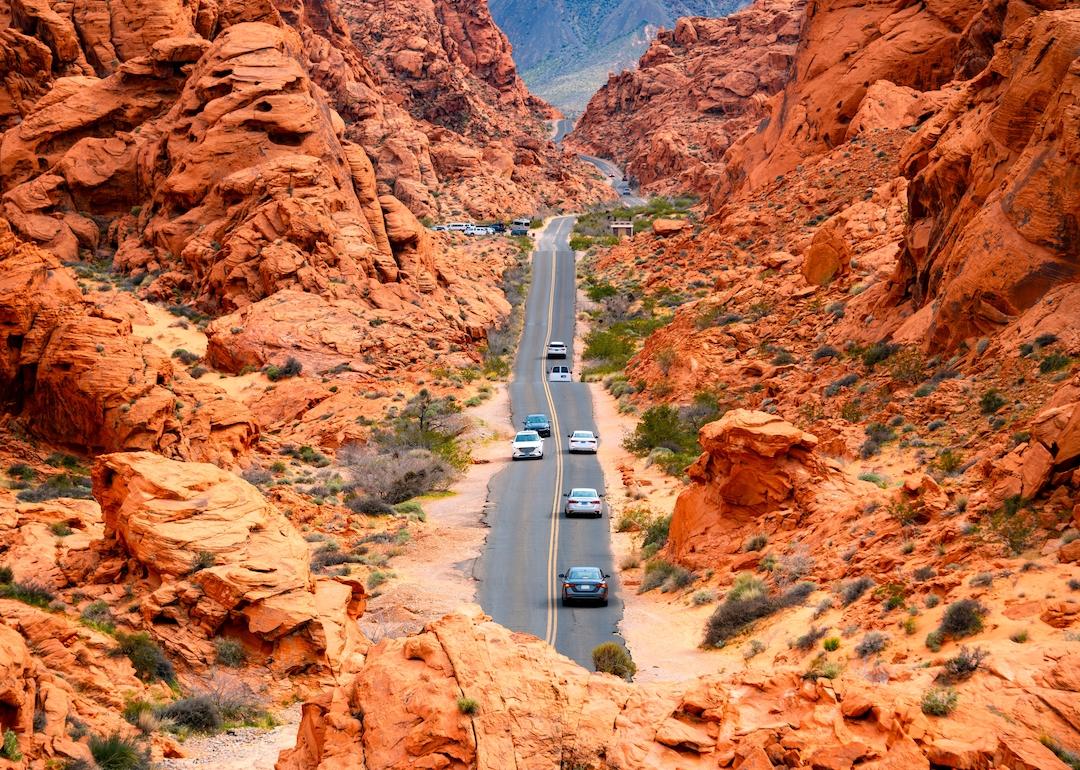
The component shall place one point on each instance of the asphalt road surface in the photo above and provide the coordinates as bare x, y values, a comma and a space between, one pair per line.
613, 173
531, 541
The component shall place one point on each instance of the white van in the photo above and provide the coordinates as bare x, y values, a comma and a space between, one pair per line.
559, 374
458, 227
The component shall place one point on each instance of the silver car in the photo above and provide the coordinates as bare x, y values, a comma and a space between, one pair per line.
584, 584
583, 501
582, 441
556, 349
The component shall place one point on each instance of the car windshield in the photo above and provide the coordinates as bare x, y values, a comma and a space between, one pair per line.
538, 418
583, 493
584, 573
528, 436
557, 344
582, 434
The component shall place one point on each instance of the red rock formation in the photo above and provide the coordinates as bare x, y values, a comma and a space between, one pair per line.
401, 710
79, 378
163, 515
695, 90
757, 472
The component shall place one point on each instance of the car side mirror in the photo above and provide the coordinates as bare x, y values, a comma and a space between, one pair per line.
562, 575
606, 576
600, 495
569, 435
566, 494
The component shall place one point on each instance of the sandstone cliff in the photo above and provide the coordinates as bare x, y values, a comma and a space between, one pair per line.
694, 92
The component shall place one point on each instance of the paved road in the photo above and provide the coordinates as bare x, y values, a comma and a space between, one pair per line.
530, 540
613, 173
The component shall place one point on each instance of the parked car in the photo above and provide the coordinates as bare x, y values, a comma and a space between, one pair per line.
528, 445
441, 228
458, 227
519, 231
522, 222
584, 584
538, 422
559, 374
498, 227
478, 230
583, 501
556, 349
583, 441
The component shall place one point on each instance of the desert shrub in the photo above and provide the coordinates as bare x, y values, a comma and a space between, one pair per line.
9, 749
939, 701
824, 606
832, 644
981, 580
950, 461
467, 706
1019, 637
291, 368
28, 592
703, 596
991, 401
98, 615
923, 574
679, 578
396, 476
825, 351
907, 366
851, 590
822, 668
21, 471
198, 713
202, 560
756, 542
146, 657
369, 505
834, 387
613, 658
1070, 758
656, 532
878, 352
633, 520
1013, 524
59, 486
6, 575
746, 603
229, 652
660, 426
604, 345
657, 572
962, 666
1052, 362
871, 644
793, 566
783, 357
185, 357
257, 476
115, 752
810, 639
962, 618
376, 579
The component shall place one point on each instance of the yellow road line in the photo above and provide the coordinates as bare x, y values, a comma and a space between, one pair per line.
556, 433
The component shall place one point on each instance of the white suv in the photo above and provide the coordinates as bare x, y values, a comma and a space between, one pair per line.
528, 446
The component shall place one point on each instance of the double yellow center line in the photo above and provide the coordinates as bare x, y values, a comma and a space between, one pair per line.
556, 433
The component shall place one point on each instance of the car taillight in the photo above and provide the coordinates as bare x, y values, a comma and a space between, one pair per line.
603, 585
567, 585
595, 502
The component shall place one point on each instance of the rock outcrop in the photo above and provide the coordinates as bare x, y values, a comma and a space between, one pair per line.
757, 470
220, 557
530, 707
696, 90
79, 378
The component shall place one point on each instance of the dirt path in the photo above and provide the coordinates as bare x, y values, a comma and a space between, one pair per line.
246, 748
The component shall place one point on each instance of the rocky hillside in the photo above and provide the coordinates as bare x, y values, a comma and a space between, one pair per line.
566, 48
670, 120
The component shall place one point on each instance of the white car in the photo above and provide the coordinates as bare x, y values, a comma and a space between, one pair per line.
582, 441
476, 230
559, 374
458, 227
528, 446
583, 501
556, 349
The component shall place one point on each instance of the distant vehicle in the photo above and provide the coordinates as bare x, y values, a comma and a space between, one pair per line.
583, 441
478, 230
528, 446
519, 231
458, 227
584, 584
583, 501
556, 349
441, 228
522, 222
498, 227
559, 374
538, 422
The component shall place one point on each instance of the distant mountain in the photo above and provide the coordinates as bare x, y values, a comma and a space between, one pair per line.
565, 49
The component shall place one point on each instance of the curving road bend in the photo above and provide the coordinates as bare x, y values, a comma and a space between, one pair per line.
530, 541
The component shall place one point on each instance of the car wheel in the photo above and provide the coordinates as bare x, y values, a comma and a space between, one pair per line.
603, 602
565, 602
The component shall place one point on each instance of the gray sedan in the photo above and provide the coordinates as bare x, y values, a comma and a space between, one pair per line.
584, 584
583, 501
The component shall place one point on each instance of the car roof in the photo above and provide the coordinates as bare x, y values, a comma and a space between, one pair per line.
556, 342
527, 435
584, 572
536, 417
582, 492
583, 432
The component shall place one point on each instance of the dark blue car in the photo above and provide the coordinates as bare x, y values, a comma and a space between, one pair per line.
538, 422
584, 584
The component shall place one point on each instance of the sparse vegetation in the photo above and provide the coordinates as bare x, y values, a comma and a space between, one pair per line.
468, 706
146, 657
613, 658
62, 485
991, 401
963, 666
832, 644
871, 644
202, 560
229, 652
9, 749
962, 618
291, 368
1070, 758
756, 542
851, 590
809, 640
822, 668
115, 752
747, 602
27, 592
939, 701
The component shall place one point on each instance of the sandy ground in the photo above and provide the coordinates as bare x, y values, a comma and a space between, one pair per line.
434, 576
249, 748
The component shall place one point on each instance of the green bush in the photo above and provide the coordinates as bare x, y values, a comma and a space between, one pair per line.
116, 752
991, 401
660, 426
613, 658
229, 652
59, 486
756, 542
962, 618
746, 603
822, 668
10, 748
604, 345
291, 368
98, 615
6, 575
939, 701
962, 666
146, 657
198, 713
832, 644
467, 706
28, 592
21, 471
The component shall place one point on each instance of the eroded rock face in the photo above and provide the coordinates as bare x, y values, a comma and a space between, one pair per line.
755, 467
223, 557
79, 377
696, 89
535, 708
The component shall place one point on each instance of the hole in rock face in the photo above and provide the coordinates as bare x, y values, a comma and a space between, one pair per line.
15, 341
263, 107
285, 138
